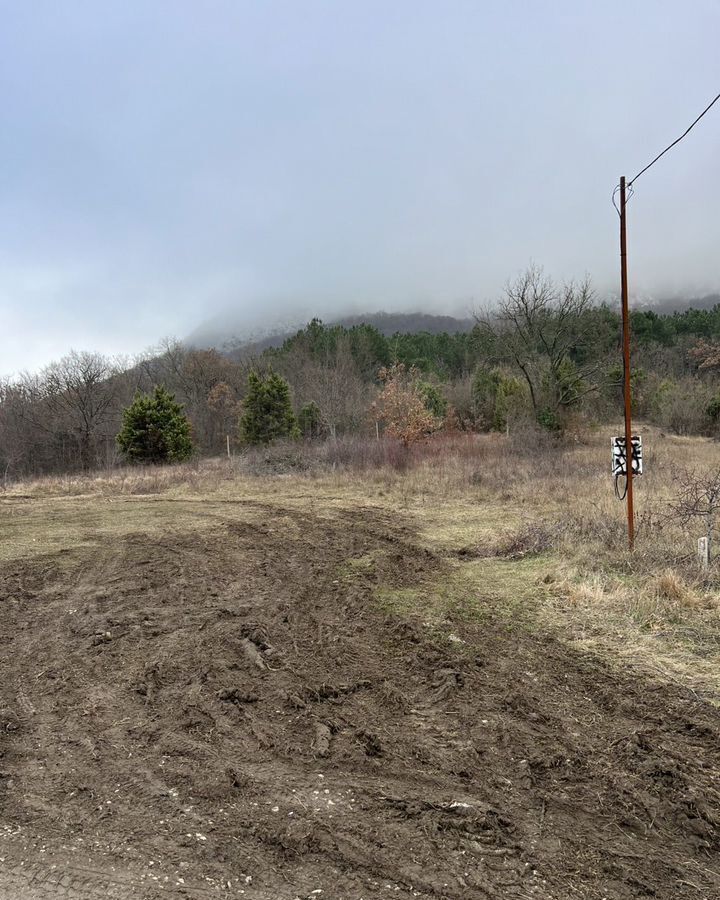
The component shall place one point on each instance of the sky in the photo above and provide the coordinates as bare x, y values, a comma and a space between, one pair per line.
163, 162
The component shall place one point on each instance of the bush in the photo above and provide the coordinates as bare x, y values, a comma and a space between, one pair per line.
155, 429
549, 419
712, 410
683, 407
268, 413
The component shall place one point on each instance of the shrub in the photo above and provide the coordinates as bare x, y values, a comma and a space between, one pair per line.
548, 418
712, 410
155, 429
683, 407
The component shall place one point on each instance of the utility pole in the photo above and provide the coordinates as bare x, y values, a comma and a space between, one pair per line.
626, 319
626, 363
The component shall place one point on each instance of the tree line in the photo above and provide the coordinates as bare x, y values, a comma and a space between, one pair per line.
547, 353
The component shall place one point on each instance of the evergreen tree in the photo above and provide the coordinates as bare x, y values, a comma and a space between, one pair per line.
268, 412
310, 420
155, 429
434, 400
496, 396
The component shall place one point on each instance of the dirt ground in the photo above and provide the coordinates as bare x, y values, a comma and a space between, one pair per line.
208, 700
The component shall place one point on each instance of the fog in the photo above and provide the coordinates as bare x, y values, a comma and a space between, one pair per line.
161, 163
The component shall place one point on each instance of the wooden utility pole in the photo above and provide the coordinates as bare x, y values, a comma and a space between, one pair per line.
626, 317
626, 364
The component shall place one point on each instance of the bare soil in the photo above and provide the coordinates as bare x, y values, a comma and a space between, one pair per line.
227, 710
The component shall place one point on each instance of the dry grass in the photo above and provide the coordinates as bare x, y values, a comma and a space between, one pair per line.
533, 528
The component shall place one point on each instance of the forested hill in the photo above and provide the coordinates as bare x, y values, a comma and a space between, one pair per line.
392, 323
448, 346
663, 323
386, 323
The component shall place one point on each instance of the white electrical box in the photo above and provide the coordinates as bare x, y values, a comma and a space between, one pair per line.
619, 456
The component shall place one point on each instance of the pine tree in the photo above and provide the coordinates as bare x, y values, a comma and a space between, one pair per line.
155, 429
310, 420
268, 413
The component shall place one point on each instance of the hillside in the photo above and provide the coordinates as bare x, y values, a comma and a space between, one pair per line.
231, 333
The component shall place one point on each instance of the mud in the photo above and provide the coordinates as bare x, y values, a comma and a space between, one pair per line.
229, 712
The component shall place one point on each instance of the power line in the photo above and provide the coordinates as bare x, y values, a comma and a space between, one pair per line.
677, 141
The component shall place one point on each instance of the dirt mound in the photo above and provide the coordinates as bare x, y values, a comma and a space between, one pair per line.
229, 713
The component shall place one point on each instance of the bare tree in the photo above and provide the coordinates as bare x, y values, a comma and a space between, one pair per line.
541, 329
28, 432
17, 436
81, 392
332, 382
225, 409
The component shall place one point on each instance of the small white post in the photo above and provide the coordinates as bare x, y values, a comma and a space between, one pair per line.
703, 552
228, 445
377, 430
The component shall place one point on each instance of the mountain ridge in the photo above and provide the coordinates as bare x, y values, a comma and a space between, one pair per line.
386, 323
389, 323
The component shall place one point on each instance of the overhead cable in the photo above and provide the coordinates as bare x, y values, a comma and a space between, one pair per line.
676, 141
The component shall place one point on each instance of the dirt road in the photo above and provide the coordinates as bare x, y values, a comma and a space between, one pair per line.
227, 711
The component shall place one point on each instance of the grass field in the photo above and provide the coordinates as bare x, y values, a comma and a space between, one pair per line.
443, 676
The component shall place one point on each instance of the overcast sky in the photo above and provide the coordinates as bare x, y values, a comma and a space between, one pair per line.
161, 161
